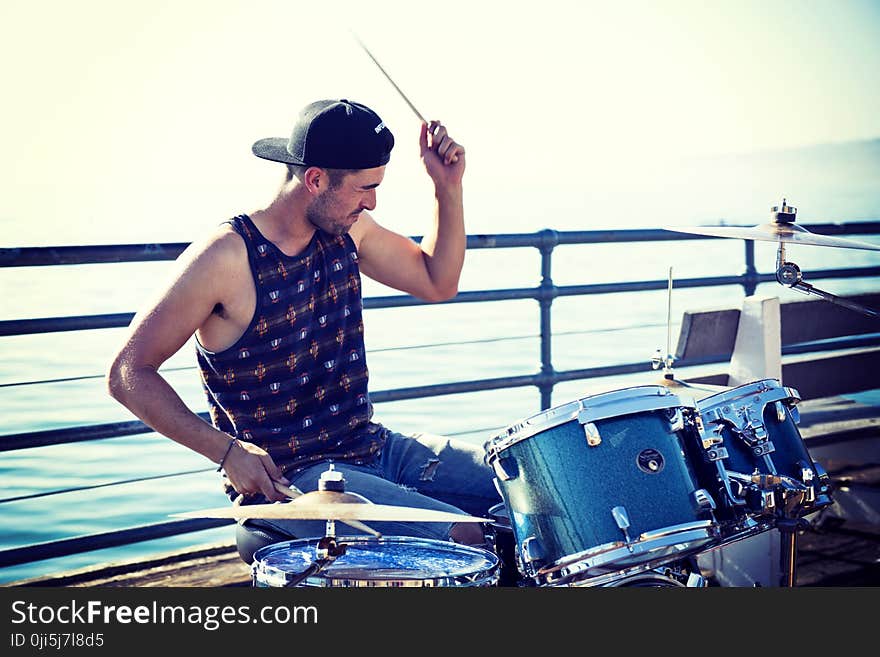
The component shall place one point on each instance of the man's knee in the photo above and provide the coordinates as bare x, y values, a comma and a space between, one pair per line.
468, 533
249, 538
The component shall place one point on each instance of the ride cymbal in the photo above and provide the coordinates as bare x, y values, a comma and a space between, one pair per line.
330, 505
776, 232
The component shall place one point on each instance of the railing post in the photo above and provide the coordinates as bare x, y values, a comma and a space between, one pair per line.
548, 240
750, 273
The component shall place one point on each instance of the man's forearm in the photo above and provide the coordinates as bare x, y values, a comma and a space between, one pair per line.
149, 396
444, 247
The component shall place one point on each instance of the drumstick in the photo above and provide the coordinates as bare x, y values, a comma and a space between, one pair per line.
293, 492
394, 84
385, 73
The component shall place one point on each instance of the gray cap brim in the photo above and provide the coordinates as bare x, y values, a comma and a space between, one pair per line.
275, 149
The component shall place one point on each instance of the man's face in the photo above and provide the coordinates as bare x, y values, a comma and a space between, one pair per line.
337, 209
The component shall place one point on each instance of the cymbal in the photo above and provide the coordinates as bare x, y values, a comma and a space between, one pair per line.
696, 391
330, 505
293, 492
776, 232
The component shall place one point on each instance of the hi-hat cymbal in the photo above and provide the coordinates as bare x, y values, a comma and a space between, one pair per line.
330, 505
776, 232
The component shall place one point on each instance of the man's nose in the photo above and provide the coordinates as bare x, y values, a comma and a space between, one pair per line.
369, 202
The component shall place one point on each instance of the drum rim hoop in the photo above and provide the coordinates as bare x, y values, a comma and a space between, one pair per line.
484, 575
564, 413
761, 386
697, 534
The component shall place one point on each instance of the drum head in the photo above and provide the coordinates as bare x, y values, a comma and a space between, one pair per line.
373, 562
610, 404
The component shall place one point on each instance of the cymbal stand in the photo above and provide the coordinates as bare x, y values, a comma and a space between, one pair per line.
791, 493
789, 274
788, 551
667, 359
328, 549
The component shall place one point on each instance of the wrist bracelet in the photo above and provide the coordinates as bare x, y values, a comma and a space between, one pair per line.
228, 449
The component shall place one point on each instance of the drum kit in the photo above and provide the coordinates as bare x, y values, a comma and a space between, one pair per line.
620, 488
615, 489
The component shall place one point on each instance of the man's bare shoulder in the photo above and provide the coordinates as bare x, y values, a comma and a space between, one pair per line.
222, 247
365, 226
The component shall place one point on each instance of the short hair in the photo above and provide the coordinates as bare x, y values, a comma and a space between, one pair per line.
335, 176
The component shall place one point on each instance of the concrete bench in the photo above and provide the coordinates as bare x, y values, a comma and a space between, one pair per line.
766, 337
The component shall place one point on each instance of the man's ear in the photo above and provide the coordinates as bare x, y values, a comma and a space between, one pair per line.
316, 180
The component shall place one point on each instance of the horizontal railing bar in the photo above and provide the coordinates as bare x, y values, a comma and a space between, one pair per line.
84, 377
47, 437
65, 547
41, 256
713, 281
170, 475
832, 344
375, 350
438, 389
106, 484
65, 435
118, 320
843, 227
77, 434
11, 327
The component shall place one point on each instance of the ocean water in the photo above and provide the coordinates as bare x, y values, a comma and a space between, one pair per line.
56, 380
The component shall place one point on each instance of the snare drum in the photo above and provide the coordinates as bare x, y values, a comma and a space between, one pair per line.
755, 461
602, 485
389, 561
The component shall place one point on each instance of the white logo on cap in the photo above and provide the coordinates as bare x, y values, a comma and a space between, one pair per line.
379, 127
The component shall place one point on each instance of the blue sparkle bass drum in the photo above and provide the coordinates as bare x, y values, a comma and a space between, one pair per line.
601, 487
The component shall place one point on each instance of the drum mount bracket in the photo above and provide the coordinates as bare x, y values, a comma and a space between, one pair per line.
743, 422
752, 432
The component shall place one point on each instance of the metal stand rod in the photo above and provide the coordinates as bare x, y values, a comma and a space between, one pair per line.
789, 274
806, 288
788, 553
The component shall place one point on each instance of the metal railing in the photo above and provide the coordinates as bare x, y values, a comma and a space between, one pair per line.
544, 380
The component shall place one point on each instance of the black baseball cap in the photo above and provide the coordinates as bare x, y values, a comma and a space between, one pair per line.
336, 134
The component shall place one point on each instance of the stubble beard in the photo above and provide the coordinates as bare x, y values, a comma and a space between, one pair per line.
322, 214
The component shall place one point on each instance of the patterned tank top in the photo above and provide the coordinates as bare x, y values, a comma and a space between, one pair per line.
295, 383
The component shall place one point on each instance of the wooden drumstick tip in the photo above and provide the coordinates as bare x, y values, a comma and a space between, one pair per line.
291, 491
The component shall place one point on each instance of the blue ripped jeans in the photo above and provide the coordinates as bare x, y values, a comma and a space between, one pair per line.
415, 470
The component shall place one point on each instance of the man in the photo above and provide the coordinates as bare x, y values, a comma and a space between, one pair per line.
274, 300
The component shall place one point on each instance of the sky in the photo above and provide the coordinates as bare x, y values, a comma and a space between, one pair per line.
132, 122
